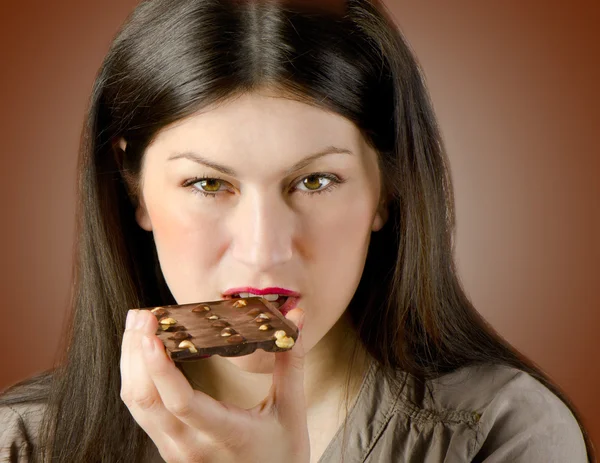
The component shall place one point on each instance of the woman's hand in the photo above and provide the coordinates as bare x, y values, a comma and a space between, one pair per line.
189, 426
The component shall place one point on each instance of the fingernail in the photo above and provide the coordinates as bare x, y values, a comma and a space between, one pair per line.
140, 321
129, 321
147, 345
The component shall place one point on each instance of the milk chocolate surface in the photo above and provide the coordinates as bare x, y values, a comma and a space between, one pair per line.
229, 328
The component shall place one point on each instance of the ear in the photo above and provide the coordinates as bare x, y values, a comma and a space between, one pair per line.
141, 215
381, 216
141, 212
119, 145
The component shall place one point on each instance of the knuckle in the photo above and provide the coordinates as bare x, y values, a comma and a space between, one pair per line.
127, 396
181, 408
145, 399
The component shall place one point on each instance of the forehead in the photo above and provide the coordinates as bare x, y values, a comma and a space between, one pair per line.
260, 121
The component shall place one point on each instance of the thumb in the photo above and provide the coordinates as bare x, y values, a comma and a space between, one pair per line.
288, 378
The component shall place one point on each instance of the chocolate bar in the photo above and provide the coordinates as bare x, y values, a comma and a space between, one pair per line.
229, 328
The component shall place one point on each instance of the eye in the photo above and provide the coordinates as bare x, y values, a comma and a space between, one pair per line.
208, 186
317, 183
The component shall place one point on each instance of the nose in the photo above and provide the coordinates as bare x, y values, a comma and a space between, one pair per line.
262, 228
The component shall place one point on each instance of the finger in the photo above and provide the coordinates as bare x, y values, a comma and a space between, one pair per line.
143, 394
124, 361
138, 391
288, 379
128, 373
194, 408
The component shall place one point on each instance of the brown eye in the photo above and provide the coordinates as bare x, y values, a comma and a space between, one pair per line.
315, 182
210, 185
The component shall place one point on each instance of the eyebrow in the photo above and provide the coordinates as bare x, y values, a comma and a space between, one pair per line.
197, 158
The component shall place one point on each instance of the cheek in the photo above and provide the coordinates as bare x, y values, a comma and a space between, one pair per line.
176, 241
339, 243
342, 232
187, 245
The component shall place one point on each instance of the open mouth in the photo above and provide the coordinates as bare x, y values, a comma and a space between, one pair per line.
283, 303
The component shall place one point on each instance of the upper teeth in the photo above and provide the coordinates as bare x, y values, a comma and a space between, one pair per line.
268, 297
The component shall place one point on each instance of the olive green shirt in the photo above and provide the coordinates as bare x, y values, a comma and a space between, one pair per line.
485, 414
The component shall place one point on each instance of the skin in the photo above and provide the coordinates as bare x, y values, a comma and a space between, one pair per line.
269, 225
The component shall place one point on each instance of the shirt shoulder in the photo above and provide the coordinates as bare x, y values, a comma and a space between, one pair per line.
518, 418
19, 430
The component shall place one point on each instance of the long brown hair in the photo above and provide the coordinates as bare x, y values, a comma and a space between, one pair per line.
171, 59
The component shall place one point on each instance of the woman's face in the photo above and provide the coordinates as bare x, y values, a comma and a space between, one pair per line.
263, 192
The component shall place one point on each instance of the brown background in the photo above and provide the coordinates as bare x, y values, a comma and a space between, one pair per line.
515, 88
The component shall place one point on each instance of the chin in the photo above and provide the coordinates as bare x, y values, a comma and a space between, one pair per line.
257, 362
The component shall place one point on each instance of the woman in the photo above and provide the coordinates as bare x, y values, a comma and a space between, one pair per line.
276, 148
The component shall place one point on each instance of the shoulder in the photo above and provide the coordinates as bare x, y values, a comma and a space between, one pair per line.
21, 413
518, 417
19, 429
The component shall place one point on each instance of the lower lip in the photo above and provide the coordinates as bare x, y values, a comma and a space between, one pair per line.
291, 303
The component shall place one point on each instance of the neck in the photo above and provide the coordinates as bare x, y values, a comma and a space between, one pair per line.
331, 376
